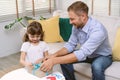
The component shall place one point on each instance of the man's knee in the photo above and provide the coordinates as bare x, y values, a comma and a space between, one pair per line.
96, 66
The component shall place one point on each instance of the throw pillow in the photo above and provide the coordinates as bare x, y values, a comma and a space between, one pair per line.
116, 47
51, 29
65, 28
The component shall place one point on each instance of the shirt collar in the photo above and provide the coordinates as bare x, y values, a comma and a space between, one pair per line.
87, 25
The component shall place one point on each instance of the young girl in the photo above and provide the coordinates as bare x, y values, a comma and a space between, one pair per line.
34, 49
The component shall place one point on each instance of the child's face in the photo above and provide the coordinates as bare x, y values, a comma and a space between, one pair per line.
34, 38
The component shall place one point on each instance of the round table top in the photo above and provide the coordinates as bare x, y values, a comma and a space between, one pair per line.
22, 74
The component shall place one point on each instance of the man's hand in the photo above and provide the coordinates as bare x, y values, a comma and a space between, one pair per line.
48, 57
47, 65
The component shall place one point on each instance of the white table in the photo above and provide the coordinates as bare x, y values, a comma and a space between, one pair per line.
22, 74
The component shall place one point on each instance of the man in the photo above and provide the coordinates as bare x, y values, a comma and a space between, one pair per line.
94, 45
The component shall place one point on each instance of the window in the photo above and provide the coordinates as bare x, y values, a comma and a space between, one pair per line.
98, 7
101, 9
115, 7
9, 9
40, 6
105, 7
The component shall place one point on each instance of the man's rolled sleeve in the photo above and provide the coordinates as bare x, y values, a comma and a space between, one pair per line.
68, 47
79, 55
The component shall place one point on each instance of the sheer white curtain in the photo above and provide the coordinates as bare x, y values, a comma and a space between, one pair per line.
8, 9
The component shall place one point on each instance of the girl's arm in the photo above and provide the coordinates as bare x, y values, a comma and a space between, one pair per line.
45, 53
22, 60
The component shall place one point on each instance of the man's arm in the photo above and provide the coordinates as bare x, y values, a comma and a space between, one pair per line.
61, 52
48, 64
70, 58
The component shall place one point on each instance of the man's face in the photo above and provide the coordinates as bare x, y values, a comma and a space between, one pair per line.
76, 20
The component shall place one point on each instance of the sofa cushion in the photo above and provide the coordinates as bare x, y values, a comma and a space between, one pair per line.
113, 70
83, 69
53, 47
65, 28
51, 29
116, 47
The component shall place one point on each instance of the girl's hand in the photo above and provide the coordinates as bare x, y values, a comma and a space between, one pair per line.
29, 65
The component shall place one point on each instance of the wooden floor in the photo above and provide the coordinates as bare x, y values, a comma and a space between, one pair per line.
9, 63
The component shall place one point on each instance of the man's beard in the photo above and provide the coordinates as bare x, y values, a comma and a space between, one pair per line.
79, 26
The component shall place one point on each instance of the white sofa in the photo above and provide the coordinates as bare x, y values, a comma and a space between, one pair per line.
83, 70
